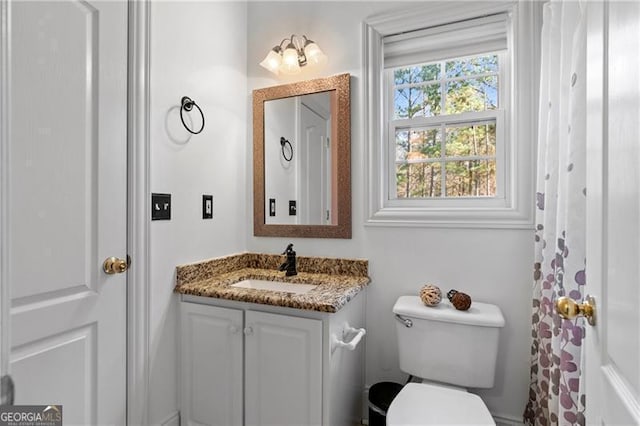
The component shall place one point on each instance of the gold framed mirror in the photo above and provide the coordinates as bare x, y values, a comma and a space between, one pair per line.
302, 159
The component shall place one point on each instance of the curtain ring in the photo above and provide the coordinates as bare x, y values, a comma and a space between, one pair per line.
283, 143
187, 104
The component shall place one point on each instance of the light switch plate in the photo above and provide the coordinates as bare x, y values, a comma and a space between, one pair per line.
207, 206
272, 207
160, 206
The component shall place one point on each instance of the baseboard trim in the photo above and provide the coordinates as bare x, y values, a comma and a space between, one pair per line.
504, 420
172, 419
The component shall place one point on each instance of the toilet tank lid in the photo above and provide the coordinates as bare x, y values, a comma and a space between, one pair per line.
479, 314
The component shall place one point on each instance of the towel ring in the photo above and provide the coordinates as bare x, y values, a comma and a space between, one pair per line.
187, 104
283, 143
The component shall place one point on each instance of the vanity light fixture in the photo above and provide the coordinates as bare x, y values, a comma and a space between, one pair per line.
298, 52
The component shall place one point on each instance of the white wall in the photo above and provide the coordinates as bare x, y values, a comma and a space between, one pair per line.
198, 49
280, 121
491, 265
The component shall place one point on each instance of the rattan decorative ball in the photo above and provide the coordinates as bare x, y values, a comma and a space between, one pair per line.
430, 295
461, 301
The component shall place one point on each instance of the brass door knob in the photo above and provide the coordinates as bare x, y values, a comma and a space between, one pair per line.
569, 309
114, 265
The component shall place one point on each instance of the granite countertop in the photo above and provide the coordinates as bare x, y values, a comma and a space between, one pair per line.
337, 280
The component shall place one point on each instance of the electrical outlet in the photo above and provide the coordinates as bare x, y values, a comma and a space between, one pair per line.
272, 206
207, 206
160, 206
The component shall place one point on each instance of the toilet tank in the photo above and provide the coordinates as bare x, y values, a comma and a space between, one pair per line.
446, 345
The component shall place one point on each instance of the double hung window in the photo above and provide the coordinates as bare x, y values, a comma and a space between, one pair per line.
446, 129
449, 115
446, 92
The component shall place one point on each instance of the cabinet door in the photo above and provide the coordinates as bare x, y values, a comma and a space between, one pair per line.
283, 370
211, 365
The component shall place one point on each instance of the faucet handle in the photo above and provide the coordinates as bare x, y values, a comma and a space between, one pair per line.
289, 249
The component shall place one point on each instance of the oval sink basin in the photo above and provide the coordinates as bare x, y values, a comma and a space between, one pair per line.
275, 286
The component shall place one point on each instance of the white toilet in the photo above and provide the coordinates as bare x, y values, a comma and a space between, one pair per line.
449, 350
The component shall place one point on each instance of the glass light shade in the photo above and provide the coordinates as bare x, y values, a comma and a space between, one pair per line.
290, 63
314, 54
272, 61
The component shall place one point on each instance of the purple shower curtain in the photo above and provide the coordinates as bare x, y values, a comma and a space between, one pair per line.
555, 394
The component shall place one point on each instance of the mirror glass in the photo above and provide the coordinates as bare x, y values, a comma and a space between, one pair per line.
302, 159
297, 159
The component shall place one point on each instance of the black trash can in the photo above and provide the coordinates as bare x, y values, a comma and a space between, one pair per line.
380, 397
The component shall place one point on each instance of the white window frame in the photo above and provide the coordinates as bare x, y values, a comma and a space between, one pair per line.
442, 121
513, 205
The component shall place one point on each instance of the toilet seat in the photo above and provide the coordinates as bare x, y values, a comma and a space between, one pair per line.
426, 404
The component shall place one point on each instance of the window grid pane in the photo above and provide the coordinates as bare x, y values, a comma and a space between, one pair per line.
470, 178
460, 164
446, 160
422, 90
476, 94
417, 74
421, 180
472, 66
418, 144
475, 139
418, 101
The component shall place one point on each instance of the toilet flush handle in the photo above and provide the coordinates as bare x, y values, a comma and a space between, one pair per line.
406, 321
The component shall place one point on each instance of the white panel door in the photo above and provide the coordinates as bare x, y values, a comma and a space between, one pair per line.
212, 365
283, 370
66, 208
613, 213
314, 183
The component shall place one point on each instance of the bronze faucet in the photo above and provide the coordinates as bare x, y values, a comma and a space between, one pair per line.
290, 265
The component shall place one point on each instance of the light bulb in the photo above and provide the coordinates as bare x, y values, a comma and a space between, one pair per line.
290, 63
313, 53
273, 60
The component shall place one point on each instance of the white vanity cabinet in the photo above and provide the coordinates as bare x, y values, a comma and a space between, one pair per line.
212, 365
283, 370
251, 364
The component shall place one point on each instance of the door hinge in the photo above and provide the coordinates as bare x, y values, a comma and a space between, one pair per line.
7, 390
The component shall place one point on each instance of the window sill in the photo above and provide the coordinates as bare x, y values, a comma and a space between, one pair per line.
489, 218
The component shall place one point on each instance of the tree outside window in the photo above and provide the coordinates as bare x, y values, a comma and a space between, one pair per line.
443, 147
